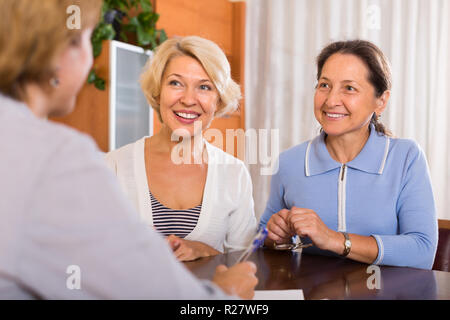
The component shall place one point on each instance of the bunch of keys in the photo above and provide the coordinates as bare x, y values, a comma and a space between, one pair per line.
297, 246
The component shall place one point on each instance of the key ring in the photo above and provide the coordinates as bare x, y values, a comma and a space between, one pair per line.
295, 247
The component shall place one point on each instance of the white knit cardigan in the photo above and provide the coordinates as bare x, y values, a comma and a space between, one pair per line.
227, 220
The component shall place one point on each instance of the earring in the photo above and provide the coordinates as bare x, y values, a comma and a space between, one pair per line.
54, 82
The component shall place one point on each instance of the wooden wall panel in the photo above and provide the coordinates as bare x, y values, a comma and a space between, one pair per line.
444, 224
211, 19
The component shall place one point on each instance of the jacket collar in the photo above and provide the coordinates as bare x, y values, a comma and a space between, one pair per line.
371, 159
13, 105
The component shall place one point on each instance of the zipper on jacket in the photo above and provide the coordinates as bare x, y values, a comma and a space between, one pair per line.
341, 198
343, 172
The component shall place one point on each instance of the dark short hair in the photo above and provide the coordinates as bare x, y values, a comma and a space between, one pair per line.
377, 64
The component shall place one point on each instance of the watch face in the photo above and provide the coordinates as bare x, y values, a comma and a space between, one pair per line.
348, 243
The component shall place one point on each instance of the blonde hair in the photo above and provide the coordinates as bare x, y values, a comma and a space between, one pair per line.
32, 33
208, 54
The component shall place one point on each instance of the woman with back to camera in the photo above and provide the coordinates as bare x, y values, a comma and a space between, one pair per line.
203, 204
63, 214
355, 190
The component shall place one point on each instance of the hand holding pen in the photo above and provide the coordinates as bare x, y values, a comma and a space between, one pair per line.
257, 242
241, 278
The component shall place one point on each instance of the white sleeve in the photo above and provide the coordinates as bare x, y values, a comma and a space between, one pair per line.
79, 217
110, 159
121, 161
243, 225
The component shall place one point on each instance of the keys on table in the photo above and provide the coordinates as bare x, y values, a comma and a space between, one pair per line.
296, 246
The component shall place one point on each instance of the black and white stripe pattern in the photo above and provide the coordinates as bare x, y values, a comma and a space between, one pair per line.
170, 221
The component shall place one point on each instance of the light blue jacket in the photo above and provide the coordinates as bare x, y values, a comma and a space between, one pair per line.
385, 192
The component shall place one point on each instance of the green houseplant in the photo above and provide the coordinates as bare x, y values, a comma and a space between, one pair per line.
121, 19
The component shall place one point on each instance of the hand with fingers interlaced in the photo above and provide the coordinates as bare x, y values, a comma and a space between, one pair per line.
285, 224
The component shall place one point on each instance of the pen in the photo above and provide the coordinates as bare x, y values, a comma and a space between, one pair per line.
257, 242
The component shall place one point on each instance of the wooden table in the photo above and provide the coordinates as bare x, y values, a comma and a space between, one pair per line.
322, 277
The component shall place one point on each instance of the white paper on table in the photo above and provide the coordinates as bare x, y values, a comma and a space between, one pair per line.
295, 294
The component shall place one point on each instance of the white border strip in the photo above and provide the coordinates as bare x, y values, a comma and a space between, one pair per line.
307, 159
112, 95
386, 150
342, 224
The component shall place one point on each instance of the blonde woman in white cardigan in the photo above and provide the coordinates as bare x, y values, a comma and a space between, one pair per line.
204, 205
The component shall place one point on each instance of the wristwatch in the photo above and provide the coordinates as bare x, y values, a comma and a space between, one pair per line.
347, 244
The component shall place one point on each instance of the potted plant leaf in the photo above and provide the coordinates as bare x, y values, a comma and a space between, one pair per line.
121, 19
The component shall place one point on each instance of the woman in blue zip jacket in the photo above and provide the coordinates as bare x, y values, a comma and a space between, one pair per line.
355, 190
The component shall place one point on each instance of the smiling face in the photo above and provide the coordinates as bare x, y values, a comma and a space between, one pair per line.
345, 100
187, 95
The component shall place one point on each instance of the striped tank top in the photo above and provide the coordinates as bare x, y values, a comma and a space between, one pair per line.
171, 221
